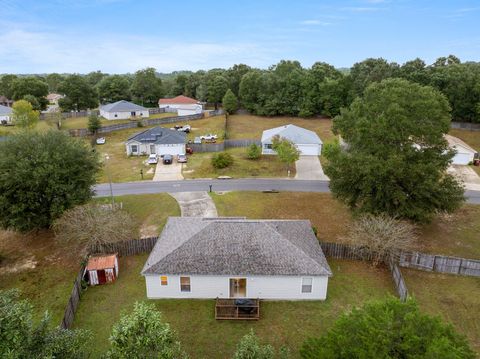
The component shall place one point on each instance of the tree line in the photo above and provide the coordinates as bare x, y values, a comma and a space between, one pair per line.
286, 88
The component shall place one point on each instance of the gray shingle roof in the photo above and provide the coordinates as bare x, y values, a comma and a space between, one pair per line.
122, 106
224, 246
4, 110
159, 135
297, 135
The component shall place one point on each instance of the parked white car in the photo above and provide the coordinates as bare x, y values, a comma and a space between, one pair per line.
152, 159
185, 128
208, 137
100, 141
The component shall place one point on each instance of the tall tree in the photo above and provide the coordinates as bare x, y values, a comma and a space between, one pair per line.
24, 116
234, 76
143, 334
93, 78
54, 81
230, 102
217, 87
79, 94
33, 86
6, 85
369, 71
250, 90
36, 185
21, 337
397, 157
388, 329
114, 88
146, 87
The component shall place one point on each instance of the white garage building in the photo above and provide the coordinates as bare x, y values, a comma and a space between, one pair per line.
123, 110
5, 114
464, 153
307, 142
237, 258
182, 105
157, 140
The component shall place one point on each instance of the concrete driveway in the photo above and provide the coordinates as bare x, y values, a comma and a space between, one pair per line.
195, 204
309, 168
467, 175
171, 172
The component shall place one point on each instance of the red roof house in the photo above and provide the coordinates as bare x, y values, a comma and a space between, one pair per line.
182, 105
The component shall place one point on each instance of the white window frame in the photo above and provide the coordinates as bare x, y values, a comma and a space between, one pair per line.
136, 148
307, 285
185, 285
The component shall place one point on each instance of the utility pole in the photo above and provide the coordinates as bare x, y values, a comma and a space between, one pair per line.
107, 157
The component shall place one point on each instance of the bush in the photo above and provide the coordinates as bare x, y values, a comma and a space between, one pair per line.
254, 152
222, 160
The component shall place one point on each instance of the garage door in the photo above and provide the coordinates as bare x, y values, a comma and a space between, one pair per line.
309, 150
462, 159
170, 149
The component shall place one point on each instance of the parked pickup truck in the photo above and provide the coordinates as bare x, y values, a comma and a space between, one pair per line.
185, 128
208, 137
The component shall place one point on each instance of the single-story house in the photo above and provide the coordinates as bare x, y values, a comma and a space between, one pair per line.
157, 140
183, 105
5, 101
237, 258
54, 97
5, 114
464, 153
122, 110
102, 269
307, 142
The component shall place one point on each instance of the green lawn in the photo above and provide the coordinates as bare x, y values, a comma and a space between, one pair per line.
10, 130
44, 270
455, 234
455, 298
249, 126
82, 122
199, 166
281, 323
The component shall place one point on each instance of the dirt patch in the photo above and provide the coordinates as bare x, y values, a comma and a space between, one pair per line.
19, 266
148, 231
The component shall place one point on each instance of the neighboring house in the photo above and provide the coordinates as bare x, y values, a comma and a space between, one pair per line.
237, 258
53, 98
5, 101
183, 105
464, 153
5, 114
306, 141
122, 110
157, 140
102, 269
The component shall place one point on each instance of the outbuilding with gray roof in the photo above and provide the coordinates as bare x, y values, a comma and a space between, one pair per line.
157, 140
236, 257
5, 114
123, 110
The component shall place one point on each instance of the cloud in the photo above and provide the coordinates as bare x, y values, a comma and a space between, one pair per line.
315, 23
25, 51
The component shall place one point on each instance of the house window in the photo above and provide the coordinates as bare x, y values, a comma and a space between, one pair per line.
134, 148
163, 280
267, 146
307, 285
185, 284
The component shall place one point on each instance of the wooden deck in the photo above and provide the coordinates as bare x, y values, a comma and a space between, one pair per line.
225, 308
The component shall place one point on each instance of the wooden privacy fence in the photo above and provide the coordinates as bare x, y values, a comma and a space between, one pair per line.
439, 263
219, 147
125, 248
465, 126
397, 276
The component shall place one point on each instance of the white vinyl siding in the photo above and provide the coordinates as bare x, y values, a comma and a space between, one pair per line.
183, 109
145, 149
124, 115
263, 287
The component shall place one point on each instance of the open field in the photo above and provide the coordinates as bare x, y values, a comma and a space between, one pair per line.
10, 130
455, 298
82, 122
472, 138
281, 323
455, 234
249, 126
44, 270
265, 166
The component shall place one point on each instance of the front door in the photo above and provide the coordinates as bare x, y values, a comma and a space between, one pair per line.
238, 287
133, 114
102, 278
152, 149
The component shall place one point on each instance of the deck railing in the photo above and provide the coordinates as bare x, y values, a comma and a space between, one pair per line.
225, 308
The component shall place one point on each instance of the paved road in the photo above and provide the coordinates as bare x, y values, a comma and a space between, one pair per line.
288, 185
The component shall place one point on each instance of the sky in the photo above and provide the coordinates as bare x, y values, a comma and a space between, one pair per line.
120, 36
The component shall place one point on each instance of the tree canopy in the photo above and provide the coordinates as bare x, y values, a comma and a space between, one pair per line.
41, 176
146, 87
24, 116
397, 156
79, 94
230, 102
114, 88
388, 329
33, 86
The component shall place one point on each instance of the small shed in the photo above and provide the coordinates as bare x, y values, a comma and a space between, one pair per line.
102, 269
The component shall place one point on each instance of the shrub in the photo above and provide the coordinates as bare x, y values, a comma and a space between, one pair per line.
222, 160
254, 152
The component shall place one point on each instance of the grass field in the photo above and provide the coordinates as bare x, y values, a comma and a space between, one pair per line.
82, 122
455, 298
281, 323
266, 166
456, 234
44, 270
249, 126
